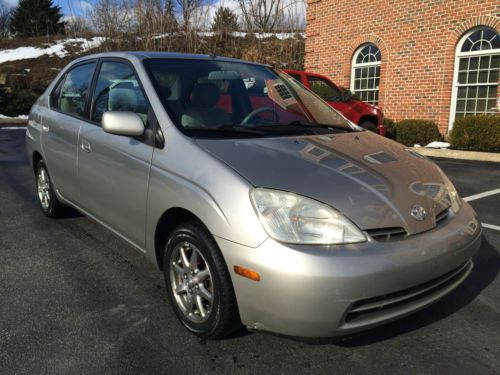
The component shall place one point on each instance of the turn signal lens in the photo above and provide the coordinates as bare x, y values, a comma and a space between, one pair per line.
245, 272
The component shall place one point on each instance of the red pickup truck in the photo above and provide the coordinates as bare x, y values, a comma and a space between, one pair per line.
366, 115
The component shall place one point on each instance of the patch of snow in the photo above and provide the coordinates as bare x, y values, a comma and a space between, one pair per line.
436, 144
12, 128
238, 34
58, 49
20, 117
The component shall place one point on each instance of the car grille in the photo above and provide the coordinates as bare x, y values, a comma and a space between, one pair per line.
387, 234
442, 215
375, 309
398, 233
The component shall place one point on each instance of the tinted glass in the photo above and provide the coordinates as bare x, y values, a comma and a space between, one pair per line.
209, 94
71, 94
117, 89
325, 89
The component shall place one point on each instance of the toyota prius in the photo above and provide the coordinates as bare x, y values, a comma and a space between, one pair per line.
263, 206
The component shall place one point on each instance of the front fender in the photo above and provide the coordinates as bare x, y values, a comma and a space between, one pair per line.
183, 175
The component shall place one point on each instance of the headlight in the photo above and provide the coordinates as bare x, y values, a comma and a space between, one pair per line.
295, 219
455, 200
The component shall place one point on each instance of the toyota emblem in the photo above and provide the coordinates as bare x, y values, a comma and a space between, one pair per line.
418, 212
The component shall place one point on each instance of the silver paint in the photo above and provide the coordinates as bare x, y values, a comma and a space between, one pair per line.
127, 186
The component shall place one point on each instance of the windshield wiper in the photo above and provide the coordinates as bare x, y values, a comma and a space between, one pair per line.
226, 129
308, 127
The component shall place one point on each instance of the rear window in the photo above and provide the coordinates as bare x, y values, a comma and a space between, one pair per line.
70, 96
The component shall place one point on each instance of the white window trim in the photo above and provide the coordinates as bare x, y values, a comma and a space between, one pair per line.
355, 65
459, 54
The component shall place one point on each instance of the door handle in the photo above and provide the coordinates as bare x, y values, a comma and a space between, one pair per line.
85, 146
45, 128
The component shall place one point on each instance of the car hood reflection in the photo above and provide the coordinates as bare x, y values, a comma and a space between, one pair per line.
374, 181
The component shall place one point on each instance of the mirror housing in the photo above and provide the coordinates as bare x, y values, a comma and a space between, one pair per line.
122, 123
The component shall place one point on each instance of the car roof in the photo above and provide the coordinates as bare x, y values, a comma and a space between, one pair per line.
303, 72
146, 55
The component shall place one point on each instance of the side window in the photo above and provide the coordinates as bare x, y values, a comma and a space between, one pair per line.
324, 89
296, 76
71, 94
118, 89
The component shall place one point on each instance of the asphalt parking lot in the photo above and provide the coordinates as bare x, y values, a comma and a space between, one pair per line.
76, 299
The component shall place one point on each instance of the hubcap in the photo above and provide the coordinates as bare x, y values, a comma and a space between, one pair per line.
43, 187
191, 282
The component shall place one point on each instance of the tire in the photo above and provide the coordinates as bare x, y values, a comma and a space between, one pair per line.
188, 285
368, 125
46, 196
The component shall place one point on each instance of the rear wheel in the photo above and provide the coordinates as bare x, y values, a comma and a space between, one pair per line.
198, 283
369, 125
47, 198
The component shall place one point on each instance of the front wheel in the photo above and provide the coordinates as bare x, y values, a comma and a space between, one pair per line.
198, 283
368, 125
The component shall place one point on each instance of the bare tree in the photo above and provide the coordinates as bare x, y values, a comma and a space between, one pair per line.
262, 15
77, 19
112, 18
5, 14
76, 26
155, 22
187, 9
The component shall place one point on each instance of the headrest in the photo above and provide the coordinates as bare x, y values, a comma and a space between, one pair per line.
205, 95
122, 99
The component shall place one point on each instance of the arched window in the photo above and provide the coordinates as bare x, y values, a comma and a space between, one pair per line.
477, 66
365, 76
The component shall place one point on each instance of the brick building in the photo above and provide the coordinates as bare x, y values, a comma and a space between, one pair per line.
429, 59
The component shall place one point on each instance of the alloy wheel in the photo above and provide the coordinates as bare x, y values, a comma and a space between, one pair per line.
191, 282
43, 187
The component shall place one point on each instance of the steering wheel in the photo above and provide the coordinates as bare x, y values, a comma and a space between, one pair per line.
252, 114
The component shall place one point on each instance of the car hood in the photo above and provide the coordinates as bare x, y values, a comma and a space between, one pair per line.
372, 180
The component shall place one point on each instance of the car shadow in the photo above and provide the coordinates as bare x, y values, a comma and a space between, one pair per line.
70, 213
486, 267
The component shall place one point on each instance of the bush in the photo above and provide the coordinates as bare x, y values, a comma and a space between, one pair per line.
477, 133
390, 126
17, 103
410, 132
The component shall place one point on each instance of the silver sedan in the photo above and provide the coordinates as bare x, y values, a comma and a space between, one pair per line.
264, 207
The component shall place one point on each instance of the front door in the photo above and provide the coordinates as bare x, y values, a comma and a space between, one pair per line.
113, 170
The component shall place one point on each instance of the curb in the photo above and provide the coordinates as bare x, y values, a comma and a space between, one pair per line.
11, 121
458, 154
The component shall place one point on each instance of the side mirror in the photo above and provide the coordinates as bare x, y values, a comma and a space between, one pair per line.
346, 95
122, 123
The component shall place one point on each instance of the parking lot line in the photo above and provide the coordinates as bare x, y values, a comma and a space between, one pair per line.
482, 195
490, 226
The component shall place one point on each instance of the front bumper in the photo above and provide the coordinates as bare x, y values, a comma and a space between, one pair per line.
322, 292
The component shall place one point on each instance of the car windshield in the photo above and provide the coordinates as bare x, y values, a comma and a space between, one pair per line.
210, 98
324, 88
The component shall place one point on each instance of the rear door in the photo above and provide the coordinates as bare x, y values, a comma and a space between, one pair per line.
113, 170
61, 127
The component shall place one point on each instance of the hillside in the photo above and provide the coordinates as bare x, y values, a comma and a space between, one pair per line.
28, 65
